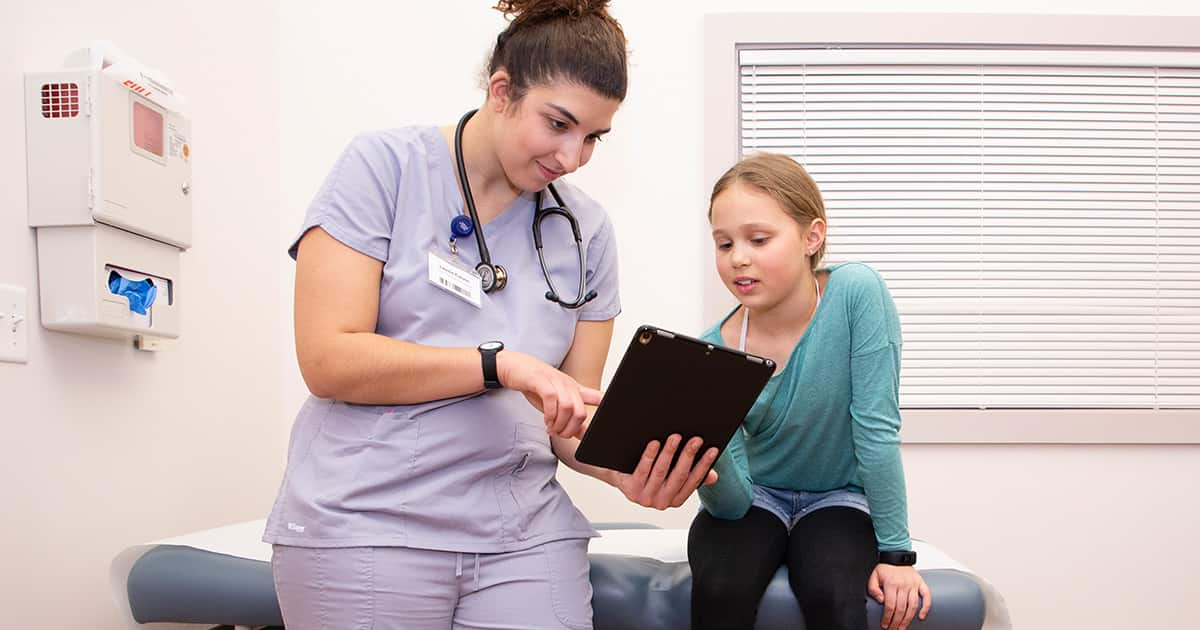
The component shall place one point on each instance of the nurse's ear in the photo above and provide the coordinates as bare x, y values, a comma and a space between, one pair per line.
499, 93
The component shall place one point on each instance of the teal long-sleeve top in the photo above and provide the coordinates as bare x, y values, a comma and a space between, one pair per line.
830, 419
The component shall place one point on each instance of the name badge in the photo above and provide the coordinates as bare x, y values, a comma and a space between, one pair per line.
455, 279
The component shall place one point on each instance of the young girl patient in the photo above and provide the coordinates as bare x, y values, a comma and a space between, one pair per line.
814, 479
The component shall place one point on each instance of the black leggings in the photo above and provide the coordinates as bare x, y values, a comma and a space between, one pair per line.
829, 554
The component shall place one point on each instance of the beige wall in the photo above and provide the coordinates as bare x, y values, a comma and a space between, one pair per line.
104, 446
1074, 536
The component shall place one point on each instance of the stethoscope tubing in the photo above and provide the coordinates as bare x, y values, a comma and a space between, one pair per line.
497, 273
469, 199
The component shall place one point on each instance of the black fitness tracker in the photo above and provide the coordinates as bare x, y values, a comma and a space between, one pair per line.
898, 558
487, 352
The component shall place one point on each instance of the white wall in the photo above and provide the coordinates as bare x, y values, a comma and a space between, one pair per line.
1074, 536
103, 446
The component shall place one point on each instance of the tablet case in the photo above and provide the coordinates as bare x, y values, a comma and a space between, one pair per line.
671, 383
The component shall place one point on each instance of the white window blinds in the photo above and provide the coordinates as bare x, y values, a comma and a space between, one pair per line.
1036, 214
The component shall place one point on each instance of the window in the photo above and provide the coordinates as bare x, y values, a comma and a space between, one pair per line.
1039, 225
147, 128
1034, 209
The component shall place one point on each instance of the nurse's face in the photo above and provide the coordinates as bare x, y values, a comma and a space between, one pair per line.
551, 132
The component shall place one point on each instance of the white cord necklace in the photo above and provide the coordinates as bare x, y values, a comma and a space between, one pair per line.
746, 315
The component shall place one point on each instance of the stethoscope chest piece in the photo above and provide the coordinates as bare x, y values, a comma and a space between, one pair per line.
492, 277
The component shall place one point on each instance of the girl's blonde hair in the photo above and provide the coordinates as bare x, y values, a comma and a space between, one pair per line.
784, 180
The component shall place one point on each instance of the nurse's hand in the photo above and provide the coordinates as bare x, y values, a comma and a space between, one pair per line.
653, 485
559, 397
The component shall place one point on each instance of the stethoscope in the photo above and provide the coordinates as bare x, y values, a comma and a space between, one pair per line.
494, 277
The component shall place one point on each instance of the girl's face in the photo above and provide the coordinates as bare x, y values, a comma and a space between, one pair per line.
550, 132
761, 251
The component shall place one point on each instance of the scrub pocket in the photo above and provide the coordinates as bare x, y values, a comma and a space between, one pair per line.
570, 582
361, 456
518, 485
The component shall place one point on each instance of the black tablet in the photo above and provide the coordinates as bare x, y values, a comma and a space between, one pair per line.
671, 383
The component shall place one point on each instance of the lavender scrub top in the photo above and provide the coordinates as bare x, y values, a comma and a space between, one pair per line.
469, 474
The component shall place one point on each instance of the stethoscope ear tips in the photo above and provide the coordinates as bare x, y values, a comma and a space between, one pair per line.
553, 297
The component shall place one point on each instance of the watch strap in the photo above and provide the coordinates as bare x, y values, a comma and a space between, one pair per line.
487, 354
905, 558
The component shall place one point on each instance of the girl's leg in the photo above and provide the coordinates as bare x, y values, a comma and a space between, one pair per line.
831, 553
732, 564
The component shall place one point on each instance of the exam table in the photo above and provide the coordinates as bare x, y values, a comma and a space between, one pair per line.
640, 581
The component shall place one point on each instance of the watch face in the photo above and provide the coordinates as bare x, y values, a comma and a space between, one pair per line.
491, 346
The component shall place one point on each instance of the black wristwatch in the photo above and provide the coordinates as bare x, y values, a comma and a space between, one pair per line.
487, 351
898, 558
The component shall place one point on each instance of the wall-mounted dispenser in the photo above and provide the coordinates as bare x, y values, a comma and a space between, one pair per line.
109, 159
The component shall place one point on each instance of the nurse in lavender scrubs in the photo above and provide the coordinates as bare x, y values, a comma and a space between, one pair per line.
452, 363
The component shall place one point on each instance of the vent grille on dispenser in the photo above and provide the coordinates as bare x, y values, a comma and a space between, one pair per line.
60, 100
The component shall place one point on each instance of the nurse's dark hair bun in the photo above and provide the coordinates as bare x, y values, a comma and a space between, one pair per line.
534, 10
561, 40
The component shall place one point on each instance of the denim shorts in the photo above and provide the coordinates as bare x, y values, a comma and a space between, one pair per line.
792, 505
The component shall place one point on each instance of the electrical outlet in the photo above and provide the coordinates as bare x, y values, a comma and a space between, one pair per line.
14, 325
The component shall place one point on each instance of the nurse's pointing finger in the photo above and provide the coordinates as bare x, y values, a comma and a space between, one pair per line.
549, 400
590, 396
564, 408
574, 414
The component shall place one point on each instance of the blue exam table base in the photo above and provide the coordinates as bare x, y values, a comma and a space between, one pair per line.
180, 583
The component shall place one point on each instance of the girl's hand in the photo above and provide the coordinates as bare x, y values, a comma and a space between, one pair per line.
898, 588
653, 485
559, 397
